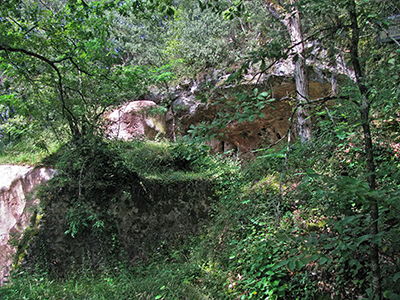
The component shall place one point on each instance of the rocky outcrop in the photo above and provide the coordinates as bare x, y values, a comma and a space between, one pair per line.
136, 119
244, 136
195, 102
17, 203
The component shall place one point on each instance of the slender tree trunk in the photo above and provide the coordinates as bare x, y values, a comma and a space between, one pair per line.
334, 84
364, 109
293, 25
292, 21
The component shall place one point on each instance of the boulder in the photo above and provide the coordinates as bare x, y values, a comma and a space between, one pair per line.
135, 120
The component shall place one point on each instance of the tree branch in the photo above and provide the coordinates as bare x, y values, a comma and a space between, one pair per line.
276, 11
70, 116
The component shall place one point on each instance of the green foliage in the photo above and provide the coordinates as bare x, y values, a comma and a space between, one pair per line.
192, 40
60, 65
158, 280
280, 230
240, 107
109, 199
294, 223
32, 149
75, 206
149, 158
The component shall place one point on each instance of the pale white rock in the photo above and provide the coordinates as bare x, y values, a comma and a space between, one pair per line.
17, 203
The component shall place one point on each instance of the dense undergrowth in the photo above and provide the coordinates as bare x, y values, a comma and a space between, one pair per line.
290, 224
160, 220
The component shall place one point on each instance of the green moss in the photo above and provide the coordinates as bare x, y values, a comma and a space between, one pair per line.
22, 244
145, 156
268, 183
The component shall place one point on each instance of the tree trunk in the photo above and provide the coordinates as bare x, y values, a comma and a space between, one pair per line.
292, 21
364, 108
294, 28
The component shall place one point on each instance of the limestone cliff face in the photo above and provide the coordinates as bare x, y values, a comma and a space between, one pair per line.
17, 203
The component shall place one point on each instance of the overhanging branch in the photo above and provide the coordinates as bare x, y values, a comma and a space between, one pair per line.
70, 116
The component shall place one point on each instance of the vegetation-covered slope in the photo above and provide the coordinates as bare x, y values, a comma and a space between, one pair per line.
279, 229
314, 214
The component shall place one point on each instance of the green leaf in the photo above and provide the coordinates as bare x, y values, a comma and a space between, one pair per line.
396, 277
292, 265
264, 94
323, 260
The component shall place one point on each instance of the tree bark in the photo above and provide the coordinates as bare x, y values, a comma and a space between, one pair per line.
364, 108
292, 21
294, 28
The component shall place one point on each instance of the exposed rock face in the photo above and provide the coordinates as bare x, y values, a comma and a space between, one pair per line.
16, 207
247, 136
136, 119
132, 120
